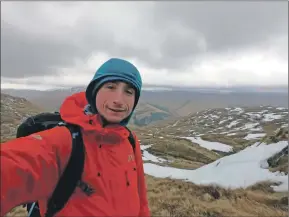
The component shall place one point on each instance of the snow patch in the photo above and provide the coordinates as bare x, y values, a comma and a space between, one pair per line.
233, 123
217, 146
231, 134
281, 108
238, 110
254, 136
144, 147
222, 121
149, 157
175, 124
242, 169
271, 117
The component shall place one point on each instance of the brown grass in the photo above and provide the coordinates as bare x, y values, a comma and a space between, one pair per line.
183, 153
13, 111
18, 211
185, 164
177, 198
182, 199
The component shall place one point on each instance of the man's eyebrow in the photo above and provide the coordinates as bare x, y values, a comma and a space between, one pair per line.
130, 85
112, 82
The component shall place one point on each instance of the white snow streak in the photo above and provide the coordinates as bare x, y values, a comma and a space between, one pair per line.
234, 171
210, 145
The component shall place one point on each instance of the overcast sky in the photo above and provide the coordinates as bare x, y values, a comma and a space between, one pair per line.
45, 44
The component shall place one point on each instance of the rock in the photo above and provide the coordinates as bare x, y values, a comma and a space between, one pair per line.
207, 197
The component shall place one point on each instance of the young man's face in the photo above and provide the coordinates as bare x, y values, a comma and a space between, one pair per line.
115, 101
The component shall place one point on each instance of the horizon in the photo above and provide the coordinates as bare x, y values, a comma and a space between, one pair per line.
149, 87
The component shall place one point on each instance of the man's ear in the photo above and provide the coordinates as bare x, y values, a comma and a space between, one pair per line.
88, 110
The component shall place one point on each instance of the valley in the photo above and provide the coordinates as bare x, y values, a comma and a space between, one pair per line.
168, 104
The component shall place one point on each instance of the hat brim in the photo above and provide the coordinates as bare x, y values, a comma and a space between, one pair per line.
96, 84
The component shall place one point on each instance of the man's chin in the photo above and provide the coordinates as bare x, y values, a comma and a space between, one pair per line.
114, 117
114, 120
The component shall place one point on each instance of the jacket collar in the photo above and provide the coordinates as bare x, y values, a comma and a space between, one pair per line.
75, 110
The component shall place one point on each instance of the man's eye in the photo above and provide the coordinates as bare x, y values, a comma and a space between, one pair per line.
129, 92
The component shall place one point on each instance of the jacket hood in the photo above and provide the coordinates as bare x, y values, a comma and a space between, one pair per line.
74, 110
112, 70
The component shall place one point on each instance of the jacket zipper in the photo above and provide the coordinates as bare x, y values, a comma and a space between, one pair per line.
126, 177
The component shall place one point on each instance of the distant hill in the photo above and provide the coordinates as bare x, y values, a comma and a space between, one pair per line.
157, 105
230, 121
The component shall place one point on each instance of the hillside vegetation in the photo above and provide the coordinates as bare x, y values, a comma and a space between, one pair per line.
227, 121
146, 114
181, 199
13, 111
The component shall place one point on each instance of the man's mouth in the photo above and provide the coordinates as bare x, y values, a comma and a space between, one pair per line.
116, 110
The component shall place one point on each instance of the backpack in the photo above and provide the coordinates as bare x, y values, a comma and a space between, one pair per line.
71, 177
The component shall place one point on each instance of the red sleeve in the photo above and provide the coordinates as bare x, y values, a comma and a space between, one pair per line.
144, 206
30, 166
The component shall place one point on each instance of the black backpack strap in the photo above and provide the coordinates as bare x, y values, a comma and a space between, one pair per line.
131, 139
33, 209
71, 175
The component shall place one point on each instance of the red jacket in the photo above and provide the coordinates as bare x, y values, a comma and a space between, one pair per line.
30, 167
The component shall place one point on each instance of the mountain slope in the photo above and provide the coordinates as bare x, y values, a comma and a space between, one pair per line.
13, 111
206, 136
244, 123
207, 186
146, 114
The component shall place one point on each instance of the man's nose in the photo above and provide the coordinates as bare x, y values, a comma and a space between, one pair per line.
118, 97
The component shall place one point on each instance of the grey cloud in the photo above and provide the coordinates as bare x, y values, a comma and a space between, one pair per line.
174, 44
23, 55
183, 31
228, 24
225, 26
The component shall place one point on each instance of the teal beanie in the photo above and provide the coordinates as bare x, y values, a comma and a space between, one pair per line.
114, 70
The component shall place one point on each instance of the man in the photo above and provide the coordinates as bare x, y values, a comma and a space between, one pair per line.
32, 165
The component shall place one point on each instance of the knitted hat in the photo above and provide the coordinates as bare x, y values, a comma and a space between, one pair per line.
114, 70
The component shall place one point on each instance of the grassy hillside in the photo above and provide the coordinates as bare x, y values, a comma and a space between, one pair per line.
231, 122
179, 152
176, 198
13, 111
146, 114
235, 127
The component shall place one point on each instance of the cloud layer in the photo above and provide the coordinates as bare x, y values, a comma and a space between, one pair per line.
178, 43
